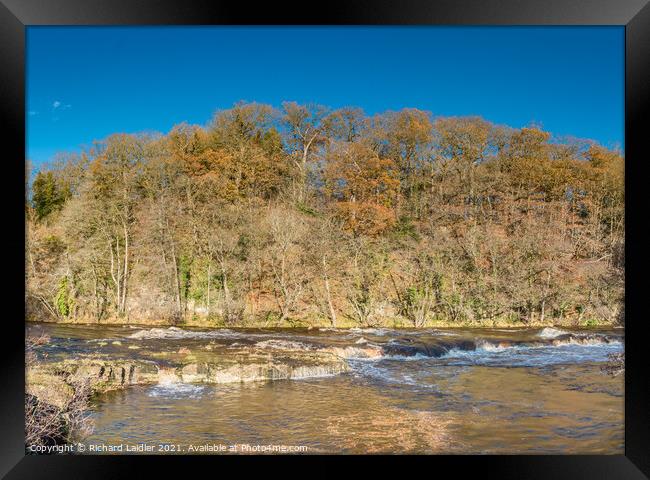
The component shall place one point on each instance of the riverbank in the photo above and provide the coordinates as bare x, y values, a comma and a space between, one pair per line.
394, 322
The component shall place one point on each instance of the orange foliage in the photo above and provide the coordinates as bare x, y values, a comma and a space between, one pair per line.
365, 185
365, 218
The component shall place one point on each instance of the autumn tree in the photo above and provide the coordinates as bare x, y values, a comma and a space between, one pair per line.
462, 145
244, 157
304, 133
364, 185
405, 138
346, 124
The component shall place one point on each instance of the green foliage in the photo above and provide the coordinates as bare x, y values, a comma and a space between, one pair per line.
54, 245
185, 267
244, 246
404, 227
63, 300
418, 301
307, 210
47, 195
271, 142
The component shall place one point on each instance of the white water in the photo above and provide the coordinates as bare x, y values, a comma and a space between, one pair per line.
550, 332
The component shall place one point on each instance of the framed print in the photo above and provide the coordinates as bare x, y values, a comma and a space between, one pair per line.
274, 235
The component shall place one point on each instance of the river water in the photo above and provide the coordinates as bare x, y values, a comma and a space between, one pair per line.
487, 391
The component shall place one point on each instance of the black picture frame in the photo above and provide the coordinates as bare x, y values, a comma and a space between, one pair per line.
15, 15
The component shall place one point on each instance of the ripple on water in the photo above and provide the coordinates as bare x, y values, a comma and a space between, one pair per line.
175, 333
176, 391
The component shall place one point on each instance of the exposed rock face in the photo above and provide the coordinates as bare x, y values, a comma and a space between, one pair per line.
112, 374
52, 382
214, 373
249, 365
368, 351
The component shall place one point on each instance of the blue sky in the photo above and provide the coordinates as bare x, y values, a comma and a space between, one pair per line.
84, 83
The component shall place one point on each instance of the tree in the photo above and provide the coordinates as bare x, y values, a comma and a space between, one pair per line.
286, 260
243, 157
346, 124
422, 293
405, 138
304, 128
463, 144
47, 195
113, 190
526, 160
324, 241
365, 187
366, 272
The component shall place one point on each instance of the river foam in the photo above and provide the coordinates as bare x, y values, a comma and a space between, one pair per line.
566, 347
415, 344
276, 344
175, 333
550, 332
176, 390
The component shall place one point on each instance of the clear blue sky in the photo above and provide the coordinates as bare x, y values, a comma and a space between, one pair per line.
84, 83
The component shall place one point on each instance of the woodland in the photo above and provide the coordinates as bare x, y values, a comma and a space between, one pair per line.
303, 215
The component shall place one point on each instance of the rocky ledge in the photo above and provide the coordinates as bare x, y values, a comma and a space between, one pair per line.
54, 382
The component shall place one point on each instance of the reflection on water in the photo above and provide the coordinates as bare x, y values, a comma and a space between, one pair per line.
569, 409
434, 391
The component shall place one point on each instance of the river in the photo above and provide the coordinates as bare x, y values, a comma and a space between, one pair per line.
474, 391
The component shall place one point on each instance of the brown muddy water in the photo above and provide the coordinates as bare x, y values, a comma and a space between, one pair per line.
460, 391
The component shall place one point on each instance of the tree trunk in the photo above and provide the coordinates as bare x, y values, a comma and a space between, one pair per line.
126, 269
209, 285
116, 271
330, 306
177, 283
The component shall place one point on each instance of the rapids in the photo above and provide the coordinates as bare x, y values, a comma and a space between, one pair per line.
402, 391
